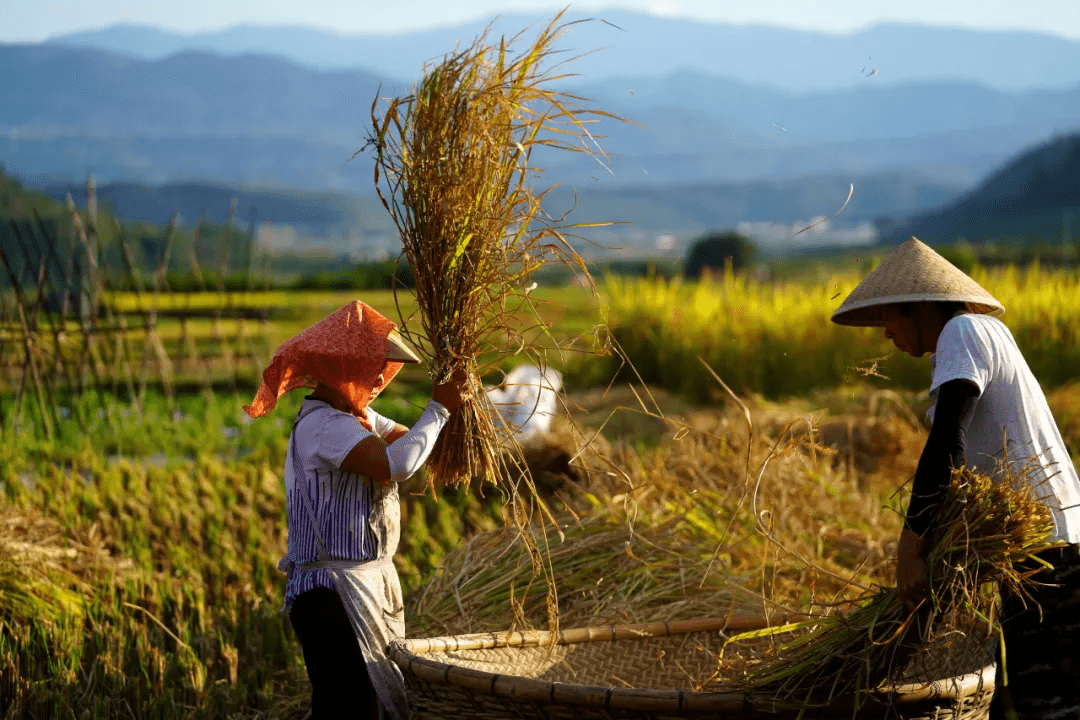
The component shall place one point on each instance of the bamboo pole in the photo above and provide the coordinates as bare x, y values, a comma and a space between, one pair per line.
153, 340
19, 301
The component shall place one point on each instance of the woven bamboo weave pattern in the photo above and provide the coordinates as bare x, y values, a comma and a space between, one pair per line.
652, 672
678, 663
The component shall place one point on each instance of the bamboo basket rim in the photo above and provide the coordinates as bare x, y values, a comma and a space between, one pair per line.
408, 654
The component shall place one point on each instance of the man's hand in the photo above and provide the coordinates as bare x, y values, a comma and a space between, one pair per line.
912, 579
453, 392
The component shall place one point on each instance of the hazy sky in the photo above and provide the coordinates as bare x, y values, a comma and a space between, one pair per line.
33, 20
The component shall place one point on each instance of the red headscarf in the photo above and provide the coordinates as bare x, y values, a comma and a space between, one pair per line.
346, 350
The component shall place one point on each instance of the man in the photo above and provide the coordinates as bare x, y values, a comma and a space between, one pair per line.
989, 410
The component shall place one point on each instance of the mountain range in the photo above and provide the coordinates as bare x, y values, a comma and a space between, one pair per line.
1036, 195
69, 112
635, 44
710, 143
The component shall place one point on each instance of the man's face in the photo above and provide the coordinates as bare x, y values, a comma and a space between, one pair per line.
903, 330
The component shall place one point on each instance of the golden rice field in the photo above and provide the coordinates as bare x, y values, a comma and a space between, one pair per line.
775, 338
138, 549
769, 337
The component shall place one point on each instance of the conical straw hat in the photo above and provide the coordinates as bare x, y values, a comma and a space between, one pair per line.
912, 273
398, 351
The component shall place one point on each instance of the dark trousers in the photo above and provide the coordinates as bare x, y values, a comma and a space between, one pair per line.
340, 687
1042, 645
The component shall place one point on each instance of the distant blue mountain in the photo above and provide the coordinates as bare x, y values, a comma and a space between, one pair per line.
69, 112
636, 44
191, 94
1036, 195
706, 151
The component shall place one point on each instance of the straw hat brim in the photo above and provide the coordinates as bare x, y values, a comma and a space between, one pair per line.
912, 273
398, 351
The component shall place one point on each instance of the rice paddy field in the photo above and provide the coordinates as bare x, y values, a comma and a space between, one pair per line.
140, 534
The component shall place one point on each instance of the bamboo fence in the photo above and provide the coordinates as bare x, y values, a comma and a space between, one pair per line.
65, 341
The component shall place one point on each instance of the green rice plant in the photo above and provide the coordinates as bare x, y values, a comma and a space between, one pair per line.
138, 564
32, 591
141, 580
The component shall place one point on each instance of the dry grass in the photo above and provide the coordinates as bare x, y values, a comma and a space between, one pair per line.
453, 168
984, 530
682, 530
42, 575
667, 530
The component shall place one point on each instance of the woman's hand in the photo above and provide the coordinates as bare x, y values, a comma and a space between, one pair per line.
912, 578
453, 392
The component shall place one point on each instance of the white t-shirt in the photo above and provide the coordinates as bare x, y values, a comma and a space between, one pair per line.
1012, 408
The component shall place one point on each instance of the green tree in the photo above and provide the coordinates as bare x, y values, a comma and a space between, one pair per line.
713, 250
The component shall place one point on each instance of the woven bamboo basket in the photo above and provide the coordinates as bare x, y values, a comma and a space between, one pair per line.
652, 672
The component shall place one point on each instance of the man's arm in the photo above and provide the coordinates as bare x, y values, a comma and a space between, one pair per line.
398, 460
944, 450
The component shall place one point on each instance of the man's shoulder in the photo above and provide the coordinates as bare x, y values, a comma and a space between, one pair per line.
971, 320
323, 431
973, 324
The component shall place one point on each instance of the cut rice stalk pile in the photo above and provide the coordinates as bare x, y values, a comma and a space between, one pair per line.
668, 536
605, 570
984, 531
453, 169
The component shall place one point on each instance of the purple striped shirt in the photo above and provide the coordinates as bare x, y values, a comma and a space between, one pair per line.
341, 501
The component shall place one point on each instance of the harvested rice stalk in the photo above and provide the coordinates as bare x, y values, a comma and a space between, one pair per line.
453, 169
667, 538
605, 571
983, 532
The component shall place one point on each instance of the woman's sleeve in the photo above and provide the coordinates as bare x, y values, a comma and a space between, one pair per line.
338, 435
382, 426
406, 454
944, 451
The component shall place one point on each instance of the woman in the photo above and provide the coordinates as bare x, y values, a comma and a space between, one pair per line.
342, 471
989, 410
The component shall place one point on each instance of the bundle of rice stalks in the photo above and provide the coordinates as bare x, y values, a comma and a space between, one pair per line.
984, 532
453, 168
